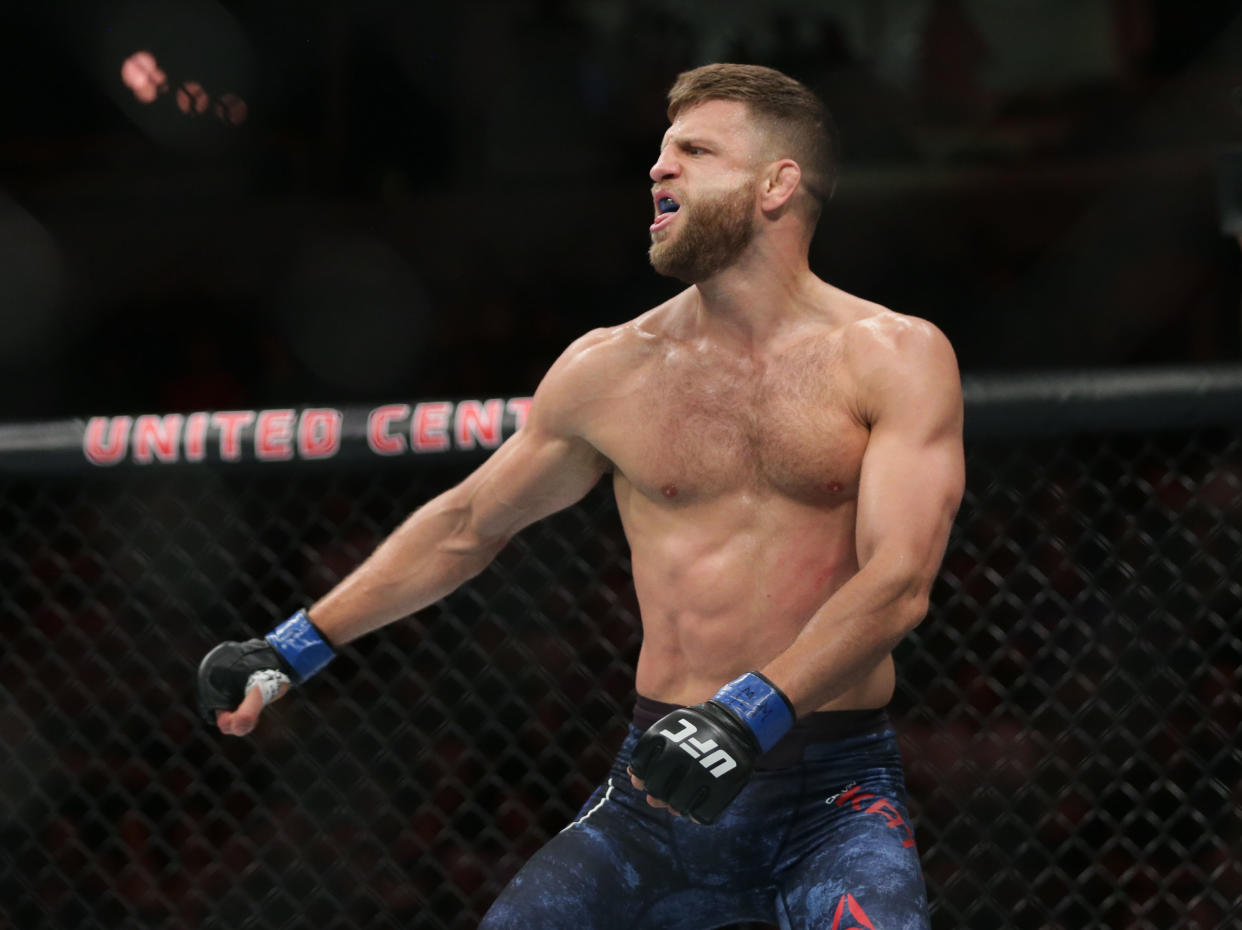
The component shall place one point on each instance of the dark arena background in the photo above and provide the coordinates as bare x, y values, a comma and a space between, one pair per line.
272, 274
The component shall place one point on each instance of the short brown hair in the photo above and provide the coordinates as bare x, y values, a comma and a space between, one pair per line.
800, 119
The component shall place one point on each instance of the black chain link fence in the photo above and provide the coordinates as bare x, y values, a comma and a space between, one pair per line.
1069, 711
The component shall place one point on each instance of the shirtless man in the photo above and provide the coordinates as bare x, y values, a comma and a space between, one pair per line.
787, 460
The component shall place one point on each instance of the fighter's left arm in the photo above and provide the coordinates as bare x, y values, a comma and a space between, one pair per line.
911, 483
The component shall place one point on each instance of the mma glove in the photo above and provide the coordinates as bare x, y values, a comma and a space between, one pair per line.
290, 654
698, 758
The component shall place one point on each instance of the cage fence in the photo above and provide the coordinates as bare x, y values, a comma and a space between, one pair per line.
1069, 711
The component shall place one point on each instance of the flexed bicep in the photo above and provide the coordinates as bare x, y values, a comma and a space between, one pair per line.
913, 471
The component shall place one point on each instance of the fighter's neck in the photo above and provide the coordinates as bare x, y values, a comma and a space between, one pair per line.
750, 302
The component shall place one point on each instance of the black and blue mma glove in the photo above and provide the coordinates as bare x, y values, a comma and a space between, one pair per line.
697, 759
288, 655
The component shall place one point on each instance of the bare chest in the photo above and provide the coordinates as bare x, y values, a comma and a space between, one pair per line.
696, 431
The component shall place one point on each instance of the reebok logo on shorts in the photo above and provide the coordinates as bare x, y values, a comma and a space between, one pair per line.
850, 915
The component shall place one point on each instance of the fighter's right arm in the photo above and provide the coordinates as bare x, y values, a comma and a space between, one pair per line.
544, 467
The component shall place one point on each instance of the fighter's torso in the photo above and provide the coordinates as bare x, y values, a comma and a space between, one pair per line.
700, 423
736, 477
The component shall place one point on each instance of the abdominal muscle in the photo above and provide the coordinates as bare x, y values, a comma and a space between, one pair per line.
726, 585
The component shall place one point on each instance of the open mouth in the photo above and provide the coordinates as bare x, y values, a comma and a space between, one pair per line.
666, 208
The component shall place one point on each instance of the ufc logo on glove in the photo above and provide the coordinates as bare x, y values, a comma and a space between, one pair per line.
719, 741
694, 748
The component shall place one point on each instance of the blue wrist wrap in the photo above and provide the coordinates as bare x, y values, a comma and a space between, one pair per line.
300, 644
761, 704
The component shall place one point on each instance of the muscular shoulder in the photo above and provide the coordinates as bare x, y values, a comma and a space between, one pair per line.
893, 358
597, 367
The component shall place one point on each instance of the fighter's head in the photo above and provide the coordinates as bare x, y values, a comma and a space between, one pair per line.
791, 122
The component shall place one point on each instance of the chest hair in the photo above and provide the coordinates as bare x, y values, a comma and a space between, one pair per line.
712, 425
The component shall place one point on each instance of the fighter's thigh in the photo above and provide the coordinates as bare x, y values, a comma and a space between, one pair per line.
866, 875
588, 877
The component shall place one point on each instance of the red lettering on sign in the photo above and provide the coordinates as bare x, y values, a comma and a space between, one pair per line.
230, 423
381, 441
520, 408
105, 439
273, 435
195, 437
156, 437
478, 424
319, 433
429, 427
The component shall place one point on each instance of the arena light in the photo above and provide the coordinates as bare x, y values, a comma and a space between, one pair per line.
141, 73
192, 99
232, 109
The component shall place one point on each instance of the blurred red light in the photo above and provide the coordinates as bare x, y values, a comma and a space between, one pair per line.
142, 74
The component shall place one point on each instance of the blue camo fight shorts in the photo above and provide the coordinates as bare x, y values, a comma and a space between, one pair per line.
820, 838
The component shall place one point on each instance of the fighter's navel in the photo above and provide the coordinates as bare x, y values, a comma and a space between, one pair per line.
670, 491
835, 487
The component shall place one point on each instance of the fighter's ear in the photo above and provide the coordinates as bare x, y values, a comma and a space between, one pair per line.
780, 182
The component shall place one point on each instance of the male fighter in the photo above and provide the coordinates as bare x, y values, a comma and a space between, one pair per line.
787, 460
